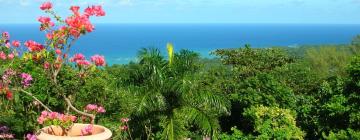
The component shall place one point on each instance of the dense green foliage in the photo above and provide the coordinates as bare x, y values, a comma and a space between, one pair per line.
244, 93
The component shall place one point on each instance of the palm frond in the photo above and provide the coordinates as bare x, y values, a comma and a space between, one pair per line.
150, 101
174, 129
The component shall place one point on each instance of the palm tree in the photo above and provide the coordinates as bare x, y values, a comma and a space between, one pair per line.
172, 95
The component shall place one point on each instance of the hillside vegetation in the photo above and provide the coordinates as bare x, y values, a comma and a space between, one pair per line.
244, 93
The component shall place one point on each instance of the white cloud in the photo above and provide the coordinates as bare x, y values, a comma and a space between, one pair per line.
126, 2
24, 2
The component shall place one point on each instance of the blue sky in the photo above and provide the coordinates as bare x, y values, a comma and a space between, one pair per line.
197, 11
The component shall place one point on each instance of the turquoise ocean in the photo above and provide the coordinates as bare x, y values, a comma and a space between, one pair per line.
119, 43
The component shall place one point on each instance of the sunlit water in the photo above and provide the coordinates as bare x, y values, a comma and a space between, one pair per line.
120, 42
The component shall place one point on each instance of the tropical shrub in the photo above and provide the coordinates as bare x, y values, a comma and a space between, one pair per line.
274, 123
343, 135
168, 97
44, 71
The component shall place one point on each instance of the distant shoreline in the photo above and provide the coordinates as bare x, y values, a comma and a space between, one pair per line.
120, 43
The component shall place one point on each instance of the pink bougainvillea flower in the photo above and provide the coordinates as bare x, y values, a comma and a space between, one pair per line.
11, 56
98, 60
74, 32
31, 137
26, 79
73, 118
89, 27
75, 9
101, 109
49, 36
94, 108
33, 46
41, 120
7, 45
91, 107
87, 130
61, 117
7, 75
44, 20
62, 29
6, 35
44, 113
98, 10
78, 23
125, 120
46, 6
53, 115
6, 136
89, 11
2, 55
58, 51
94, 10
123, 128
16, 43
82, 63
77, 57
46, 65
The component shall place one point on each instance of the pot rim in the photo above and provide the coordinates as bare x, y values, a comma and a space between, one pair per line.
106, 134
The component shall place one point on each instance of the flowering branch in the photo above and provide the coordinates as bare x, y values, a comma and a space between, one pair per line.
54, 56
36, 99
92, 116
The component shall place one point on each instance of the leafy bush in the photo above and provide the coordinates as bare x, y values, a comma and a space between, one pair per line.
274, 123
348, 134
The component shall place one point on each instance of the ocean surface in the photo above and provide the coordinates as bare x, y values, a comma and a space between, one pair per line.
119, 43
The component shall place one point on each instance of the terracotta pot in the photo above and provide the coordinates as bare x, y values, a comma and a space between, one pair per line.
99, 133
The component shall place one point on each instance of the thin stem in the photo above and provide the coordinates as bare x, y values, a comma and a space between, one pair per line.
69, 45
36, 99
128, 130
56, 72
78, 111
67, 109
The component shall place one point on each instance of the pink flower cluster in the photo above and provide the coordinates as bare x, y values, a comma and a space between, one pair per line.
94, 10
94, 108
3, 56
33, 46
6, 35
51, 116
31, 137
6, 136
123, 128
45, 23
80, 23
6, 80
26, 79
80, 60
46, 6
4, 133
87, 130
98, 60
6, 77
124, 121
16, 43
